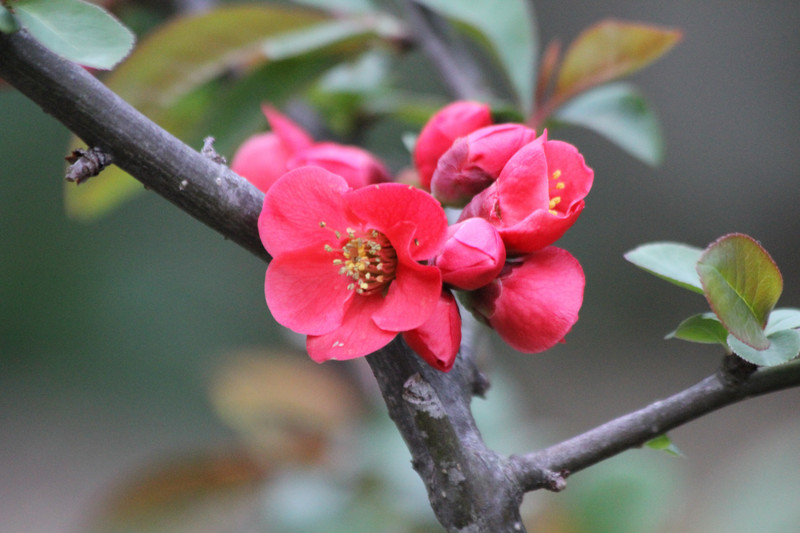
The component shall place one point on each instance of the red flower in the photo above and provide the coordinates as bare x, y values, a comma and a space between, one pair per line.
472, 256
535, 300
357, 166
537, 197
265, 157
445, 126
474, 162
346, 265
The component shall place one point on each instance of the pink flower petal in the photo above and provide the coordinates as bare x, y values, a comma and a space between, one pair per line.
305, 291
445, 126
382, 206
357, 336
540, 229
302, 208
438, 340
575, 177
523, 185
293, 137
261, 159
357, 166
413, 294
535, 302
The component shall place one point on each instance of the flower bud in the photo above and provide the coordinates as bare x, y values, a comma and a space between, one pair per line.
474, 162
534, 301
357, 166
472, 256
445, 126
263, 158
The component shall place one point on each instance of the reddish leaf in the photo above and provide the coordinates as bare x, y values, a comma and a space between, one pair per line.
608, 50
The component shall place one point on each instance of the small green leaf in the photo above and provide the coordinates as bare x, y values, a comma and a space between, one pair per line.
783, 346
8, 23
742, 284
664, 443
76, 30
783, 318
672, 261
609, 50
510, 32
619, 113
704, 328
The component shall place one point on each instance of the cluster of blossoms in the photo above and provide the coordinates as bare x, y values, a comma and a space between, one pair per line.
358, 260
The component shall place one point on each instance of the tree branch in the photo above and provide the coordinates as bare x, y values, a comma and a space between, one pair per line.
724, 388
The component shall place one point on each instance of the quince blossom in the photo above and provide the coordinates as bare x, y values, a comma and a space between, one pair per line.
474, 162
537, 197
346, 267
445, 126
535, 300
265, 157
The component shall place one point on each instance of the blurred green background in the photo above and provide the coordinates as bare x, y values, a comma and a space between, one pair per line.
111, 332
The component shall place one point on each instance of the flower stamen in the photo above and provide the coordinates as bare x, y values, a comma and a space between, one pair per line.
367, 258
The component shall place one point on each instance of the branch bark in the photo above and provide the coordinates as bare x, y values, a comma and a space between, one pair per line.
471, 488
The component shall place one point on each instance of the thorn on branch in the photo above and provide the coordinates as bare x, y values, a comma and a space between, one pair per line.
555, 481
209, 152
85, 164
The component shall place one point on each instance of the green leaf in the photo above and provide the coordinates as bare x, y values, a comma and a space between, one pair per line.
664, 443
76, 30
609, 50
8, 23
340, 6
510, 33
783, 318
621, 114
742, 284
185, 75
704, 328
672, 261
783, 346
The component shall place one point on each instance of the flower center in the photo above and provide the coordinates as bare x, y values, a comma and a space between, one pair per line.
367, 258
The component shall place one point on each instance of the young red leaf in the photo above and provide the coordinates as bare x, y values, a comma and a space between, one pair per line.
742, 284
608, 50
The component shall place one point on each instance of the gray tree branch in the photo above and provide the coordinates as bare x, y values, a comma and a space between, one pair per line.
471, 488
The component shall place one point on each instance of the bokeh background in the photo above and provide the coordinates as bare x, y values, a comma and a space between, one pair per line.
114, 334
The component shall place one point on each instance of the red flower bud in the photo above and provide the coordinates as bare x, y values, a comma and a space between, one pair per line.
472, 256
534, 302
262, 158
448, 124
474, 162
357, 166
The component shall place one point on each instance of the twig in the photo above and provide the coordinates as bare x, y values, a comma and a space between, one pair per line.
85, 164
635, 429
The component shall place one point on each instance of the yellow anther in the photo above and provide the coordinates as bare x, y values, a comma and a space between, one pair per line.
556, 174
554, 202
560, 185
